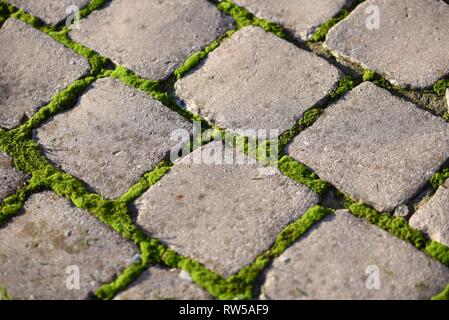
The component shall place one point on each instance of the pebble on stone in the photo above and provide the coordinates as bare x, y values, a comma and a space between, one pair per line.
256, 80
11, 179
408, 43
163, 284
300, 17
433, 218
33, 68
152, 37
374, 146
344, 257
224, 215
112, 137
50, 11
49, 242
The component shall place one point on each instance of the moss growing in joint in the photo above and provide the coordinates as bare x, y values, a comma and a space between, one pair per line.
440, 87
439, 178
344, 85
369, 75
443, 295
322, 31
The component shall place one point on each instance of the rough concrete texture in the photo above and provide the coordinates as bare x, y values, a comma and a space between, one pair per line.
408, 46
163, 284
42, 245
10, 178
222, 215
433, 218
50, 11
374, 146
344, 257
256, 80
33, 68
300, 17
152, 37
112, 137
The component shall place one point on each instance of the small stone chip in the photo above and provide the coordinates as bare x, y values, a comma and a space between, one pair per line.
111, 138
301, 17
33, 68
433, 218
50, 11
10, 178
152, 37
374, 146
224, 215
163, 284
255, 81
50, 242
344, 257
407, 41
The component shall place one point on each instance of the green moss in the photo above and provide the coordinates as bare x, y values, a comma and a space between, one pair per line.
440, 87
396, 226
322, 31
300, 173
369, 75
308, 118
438, 251
345, 84
439, 178
443, 295
241, 16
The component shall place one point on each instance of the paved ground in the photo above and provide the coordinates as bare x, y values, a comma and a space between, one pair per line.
125, 172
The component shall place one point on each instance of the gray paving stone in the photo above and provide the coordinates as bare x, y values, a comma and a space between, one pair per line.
33, 68
152, 37
51, 235
163, 284
113, 136
222, 215
256, 80
374, 146
301, 17
339, 259
50, 11
433, 218
410, 46
10, 178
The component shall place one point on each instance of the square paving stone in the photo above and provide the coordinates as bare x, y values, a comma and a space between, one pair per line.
152, 37
11, 179
301, 17
433, 217
224, 215
50, 11
344, 257
374, 146
49, 242
33, 68
256, 80
163, 284
409, 47
112, 137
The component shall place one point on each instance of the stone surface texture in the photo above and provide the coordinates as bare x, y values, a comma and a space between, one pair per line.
50, 238
33, 68
152, 37
374, 146
10, 178
112, 137
408, 44
223, 215
341, 257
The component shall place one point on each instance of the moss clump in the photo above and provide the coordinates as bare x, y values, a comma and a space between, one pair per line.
369, 75
345, 84
300, 173
322, 31
439, 178
241, 16
440, 87
438, 251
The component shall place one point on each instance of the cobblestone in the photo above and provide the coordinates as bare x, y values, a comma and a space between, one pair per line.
152, 37
49, 238
339, 259
162, 284
301, 17
258, 82
41, 68
374, 146
223, 215
113, 136
432, 217
409, 47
